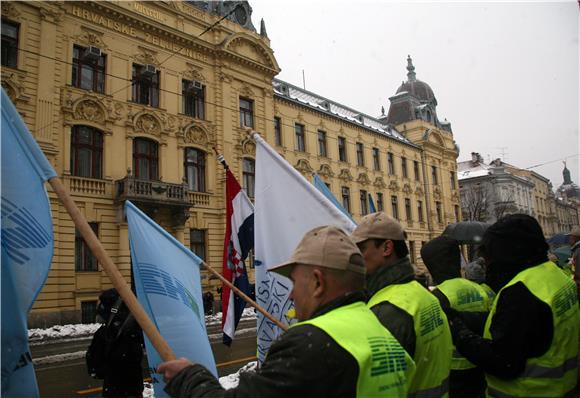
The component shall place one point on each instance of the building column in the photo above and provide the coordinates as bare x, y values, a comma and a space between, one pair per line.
66, 149
107, 156
129, 155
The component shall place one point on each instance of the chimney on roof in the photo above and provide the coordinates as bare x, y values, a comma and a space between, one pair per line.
476, 158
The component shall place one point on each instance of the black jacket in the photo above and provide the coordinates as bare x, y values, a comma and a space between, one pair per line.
305, 362
396, 320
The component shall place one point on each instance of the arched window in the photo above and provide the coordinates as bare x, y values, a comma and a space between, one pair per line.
86, 152
249, 176
195, 169
145, 159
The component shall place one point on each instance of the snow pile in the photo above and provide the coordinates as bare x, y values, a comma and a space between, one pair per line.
148, 391
231, 381
58, 358
63, 331
249, 313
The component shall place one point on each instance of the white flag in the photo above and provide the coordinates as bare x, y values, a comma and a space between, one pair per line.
287, 206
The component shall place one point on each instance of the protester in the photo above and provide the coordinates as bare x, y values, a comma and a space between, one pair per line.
116, 351
402, 305
338, 349
475, 272
575, 259
443, 260
530, 342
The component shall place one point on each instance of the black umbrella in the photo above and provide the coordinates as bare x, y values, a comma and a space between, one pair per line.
466, 232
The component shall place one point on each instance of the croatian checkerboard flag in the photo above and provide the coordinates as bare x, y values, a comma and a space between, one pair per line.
287, 206
27, 246
239, 240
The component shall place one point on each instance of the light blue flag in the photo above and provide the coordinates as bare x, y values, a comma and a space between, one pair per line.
321, 186
372, 208
27, 246
168, 283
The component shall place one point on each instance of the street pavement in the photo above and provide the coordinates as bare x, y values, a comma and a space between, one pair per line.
69, 378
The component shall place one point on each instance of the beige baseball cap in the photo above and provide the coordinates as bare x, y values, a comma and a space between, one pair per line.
328, 247
575, 232
378, 226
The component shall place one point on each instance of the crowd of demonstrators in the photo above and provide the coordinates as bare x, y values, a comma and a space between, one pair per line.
328, 353
575, 259
116, 350
402, 305
368, 328
442, 258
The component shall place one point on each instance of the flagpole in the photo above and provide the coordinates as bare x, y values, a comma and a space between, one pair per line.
257, 306
161, 346
245, 297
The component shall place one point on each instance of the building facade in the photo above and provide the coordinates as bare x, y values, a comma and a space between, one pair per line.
131, 101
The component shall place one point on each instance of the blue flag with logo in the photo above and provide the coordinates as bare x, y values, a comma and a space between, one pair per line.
321, 186
168, 283
27, 246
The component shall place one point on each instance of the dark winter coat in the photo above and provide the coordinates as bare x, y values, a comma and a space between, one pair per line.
305, 362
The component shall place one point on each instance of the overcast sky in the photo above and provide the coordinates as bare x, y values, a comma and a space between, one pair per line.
504, 74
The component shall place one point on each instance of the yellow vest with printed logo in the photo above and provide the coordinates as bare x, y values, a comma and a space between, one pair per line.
433, 346
384, 366
464, 296
554, 374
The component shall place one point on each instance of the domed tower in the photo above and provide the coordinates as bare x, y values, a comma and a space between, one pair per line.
568, 189
414, 100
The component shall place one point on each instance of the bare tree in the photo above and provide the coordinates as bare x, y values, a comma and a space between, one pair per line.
475, 203
506, 205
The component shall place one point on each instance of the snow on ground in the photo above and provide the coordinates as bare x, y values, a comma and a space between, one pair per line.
231, 381
248, 313
59, 358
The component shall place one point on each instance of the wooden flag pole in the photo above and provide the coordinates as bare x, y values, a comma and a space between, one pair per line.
245, 297
161, 346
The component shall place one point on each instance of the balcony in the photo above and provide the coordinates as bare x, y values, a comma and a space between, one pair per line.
154, 197
199, 199
89, 186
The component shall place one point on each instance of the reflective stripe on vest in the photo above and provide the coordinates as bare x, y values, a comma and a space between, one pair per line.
433, 346
464, 296
493, 393
384, 366
553, 374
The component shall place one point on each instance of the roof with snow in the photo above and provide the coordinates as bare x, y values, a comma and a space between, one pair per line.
314, 101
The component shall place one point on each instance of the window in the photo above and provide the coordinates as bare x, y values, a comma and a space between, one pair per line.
395, 207
197, 242
322, 143
300, 145
193, 96
88, 73
278, 131
439, 213
88, 311
420, 211
364, 208
249, 176
380, 205
342, 149
346, 198
404, 167
391, 163
86, 152
434, 175
416, 170
412, 252
145, 159
408, 211
456, 210
376, 159
9, 44
145, 86
452, 179
84, 259
360, 154
195, 169
246, 112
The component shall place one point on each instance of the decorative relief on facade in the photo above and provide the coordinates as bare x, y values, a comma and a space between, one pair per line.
89, 109
303, 166
248, 147
345, 175
246, 91
363, 179
394, 186
54, 16
325, 171
224, 77
455, 196
436, 193
195, 134
90, 37
300, 117
194, 73
13, 84
419, 191
148, 124
146, 56
9, 10
407, 189
380, 183
246, 46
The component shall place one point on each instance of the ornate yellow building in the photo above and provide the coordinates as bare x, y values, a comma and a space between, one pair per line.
128, 100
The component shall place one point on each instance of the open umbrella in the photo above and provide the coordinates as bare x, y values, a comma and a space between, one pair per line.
563, 253
559, 239
466, 232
